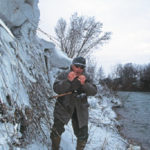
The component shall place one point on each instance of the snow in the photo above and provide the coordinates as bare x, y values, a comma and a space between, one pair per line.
3, 32
18, 11
56, 55
26, 73
7, 131
9, 74
37, 146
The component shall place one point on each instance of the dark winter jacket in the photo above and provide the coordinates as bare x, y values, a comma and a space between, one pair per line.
66, 105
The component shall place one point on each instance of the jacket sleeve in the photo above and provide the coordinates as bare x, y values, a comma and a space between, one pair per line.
61, 84
89, 88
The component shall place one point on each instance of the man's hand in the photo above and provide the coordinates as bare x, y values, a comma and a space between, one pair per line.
82, 79
71, 76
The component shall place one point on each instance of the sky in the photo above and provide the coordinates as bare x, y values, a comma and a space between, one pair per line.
128, 20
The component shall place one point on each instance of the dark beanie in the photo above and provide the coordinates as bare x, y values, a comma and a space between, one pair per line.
79, 61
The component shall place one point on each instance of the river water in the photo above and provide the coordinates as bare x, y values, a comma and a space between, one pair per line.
135, 117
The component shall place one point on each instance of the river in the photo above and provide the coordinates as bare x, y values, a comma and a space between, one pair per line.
135, 117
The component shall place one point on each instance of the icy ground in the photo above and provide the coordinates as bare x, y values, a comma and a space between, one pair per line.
103, 134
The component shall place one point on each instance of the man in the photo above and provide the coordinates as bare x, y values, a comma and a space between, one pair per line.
73, 106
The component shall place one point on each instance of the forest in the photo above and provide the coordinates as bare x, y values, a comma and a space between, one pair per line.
129, 77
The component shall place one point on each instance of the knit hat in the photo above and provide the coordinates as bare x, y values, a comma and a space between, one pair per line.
79, 61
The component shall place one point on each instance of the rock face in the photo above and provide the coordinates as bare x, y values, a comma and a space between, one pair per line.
16, 12
26, 75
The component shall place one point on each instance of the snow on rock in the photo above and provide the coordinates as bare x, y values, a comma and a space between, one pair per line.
6, 133
6, 34
56, 55
26, 76
11, 83
16, 12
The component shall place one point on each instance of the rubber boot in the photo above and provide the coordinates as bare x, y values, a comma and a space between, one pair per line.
80, 145
55, 142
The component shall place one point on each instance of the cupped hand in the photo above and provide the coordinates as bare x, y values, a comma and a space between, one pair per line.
82, 79
71, 76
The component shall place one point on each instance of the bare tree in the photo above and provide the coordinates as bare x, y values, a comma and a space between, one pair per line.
81, 36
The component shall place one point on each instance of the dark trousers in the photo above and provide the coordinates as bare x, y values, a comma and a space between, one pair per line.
80, 133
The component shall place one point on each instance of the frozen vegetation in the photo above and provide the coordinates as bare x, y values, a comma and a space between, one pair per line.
28, 66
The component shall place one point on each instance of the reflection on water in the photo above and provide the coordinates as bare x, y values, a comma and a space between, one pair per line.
136, 116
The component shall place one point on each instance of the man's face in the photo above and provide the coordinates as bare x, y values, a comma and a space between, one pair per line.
78, 69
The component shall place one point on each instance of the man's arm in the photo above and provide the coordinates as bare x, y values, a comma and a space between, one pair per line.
62, 84
89, 88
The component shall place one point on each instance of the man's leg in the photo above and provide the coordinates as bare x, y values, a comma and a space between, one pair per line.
57, 130
81, 133
82, 138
